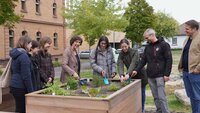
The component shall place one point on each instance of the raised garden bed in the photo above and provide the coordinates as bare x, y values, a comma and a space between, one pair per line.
125, 100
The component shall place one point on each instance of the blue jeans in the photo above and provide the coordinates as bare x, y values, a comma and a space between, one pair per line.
143, 97
192, 88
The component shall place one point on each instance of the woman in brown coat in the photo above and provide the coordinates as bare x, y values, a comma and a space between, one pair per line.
71, 61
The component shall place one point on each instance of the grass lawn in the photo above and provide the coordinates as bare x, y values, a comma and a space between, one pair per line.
176, 54
174, 105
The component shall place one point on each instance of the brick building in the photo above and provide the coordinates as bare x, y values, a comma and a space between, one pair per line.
41, 18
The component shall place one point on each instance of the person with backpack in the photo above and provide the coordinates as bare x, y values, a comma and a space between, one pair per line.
129, 58
102, 59
21, 82
157, 55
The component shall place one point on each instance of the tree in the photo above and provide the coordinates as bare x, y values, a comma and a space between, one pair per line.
140, 16
7, 15
165, 25
93, 18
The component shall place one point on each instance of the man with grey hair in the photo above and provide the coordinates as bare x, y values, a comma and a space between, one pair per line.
157, 55
189, 64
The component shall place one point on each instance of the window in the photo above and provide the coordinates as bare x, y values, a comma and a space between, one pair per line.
38, 36
11, 38
55, 39
24, 33
23, 5
37, 6
174, 41
54, 9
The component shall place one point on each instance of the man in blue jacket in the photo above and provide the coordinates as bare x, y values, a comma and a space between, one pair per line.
158, 57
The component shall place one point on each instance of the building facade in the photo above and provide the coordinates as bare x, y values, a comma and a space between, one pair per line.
40, 18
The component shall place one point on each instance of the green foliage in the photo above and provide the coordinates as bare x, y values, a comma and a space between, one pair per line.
55, 89
174, 104
93, 18
140, 16
165, 25
113, 87
1, 71
7, 15
86, 74
56, 64
97, 80
72, 83
125, 83
94, 92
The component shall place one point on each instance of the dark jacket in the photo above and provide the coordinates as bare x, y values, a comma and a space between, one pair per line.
130, 60
35, 74
21, 70
46, 67
158, 58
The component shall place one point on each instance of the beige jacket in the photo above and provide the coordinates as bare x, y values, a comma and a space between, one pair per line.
69, 64
194, 53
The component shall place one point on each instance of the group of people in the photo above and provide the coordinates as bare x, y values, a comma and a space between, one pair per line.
31, 68
32, 65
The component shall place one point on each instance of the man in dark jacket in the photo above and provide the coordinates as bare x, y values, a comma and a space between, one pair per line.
158, 57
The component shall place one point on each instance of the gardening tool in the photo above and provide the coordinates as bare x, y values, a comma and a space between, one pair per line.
105, 80
83, 81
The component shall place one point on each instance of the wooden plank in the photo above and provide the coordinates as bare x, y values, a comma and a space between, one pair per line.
122, 95
67, 102
50, 109
130, 104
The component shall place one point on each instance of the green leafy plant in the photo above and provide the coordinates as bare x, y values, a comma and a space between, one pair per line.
113, 87
72, 83
125, 83
1, 71
97, 80
84, 89
94, 92
55, 89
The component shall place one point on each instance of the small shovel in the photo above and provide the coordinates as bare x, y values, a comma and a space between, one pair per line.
105, 80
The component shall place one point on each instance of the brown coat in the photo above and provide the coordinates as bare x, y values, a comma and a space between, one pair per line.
194, 53
69, 64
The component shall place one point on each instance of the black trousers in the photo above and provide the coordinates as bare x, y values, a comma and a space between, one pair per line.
19, 96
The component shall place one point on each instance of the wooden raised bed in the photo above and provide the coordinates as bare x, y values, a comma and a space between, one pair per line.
125, 100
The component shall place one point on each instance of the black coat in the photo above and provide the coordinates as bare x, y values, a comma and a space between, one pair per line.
35, 73
158, 58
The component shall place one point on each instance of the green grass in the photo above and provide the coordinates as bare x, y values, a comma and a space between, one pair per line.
56, 64
86, 74
174, 105
176, 54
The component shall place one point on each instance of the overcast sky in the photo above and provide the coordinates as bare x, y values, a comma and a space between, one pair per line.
181, 10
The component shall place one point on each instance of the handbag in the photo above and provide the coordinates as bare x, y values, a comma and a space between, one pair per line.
6, 76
